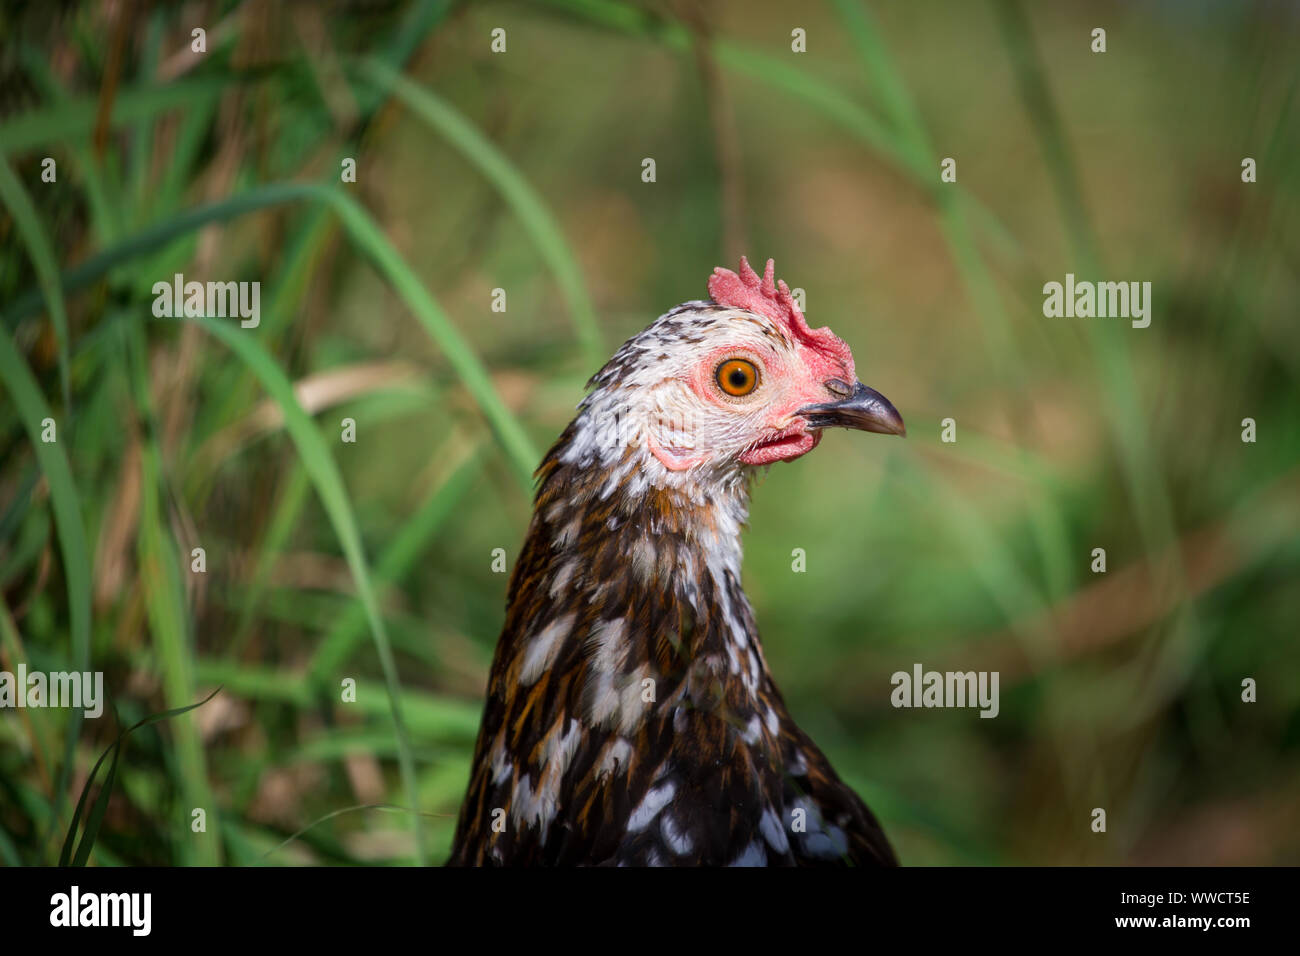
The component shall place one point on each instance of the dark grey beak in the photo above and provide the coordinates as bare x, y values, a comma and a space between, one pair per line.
864, 409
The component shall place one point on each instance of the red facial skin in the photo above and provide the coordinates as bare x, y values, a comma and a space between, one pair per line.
785, 386
823, 356
787, 446
668, 459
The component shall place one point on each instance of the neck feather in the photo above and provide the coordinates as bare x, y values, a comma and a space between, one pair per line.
626, 578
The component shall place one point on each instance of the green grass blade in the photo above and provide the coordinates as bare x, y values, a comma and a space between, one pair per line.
369, 238
328, 482
293, 496
21, 385
393, 565
432, 716
65, 855
15, 197
883, 76
167, 613
15, 652
103, 213
514, 188
97, 812
75, 119
1031, 78
419, 20
8, 851
92, 823
1123, 407
166, 607
159, 235
820, 96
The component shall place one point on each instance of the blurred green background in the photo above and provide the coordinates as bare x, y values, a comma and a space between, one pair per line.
521, 170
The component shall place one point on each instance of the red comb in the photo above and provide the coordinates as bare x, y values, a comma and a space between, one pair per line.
773, 299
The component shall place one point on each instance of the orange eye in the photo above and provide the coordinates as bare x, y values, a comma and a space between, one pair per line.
737, 377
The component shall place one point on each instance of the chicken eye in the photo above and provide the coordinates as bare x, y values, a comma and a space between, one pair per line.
737, 377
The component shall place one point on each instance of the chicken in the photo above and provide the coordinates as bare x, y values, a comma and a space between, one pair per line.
630, 715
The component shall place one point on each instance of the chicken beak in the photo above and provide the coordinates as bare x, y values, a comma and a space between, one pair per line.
864, 409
